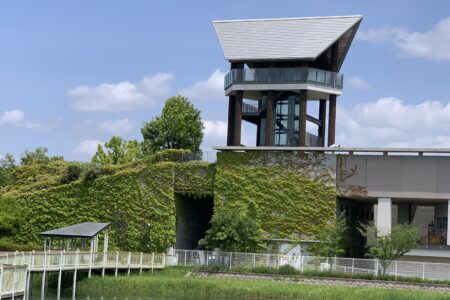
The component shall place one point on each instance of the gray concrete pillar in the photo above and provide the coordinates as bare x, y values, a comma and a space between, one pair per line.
448, 219
384, 216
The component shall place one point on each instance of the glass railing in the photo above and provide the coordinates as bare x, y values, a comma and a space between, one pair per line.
313, 140
284, 75
248, 107
290, 138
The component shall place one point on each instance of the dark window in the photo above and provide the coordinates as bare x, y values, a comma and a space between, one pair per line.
441, 223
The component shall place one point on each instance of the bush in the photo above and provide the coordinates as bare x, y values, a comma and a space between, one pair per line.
172, 155
95, 172
72, 174
7, 244
287, 270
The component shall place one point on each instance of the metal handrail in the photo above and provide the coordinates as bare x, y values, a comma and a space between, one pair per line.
284, 76
250, 108
15, 267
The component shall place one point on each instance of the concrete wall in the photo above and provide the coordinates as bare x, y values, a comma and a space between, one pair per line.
404, 177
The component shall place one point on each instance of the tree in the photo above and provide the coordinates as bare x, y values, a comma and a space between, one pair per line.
332, 242
118, 151
7, 165
179, 127
38, 156
9, 216
73, 173
386, 248
235, 231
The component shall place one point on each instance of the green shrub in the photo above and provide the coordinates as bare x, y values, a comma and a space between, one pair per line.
34, 177
171, 155
287, 270
95, 172
7, 244
72, 174
217, 268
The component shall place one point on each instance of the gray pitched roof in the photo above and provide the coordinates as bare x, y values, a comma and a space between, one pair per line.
282, 39
87, 229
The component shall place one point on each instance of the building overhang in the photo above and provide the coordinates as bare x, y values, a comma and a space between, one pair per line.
343, 150
315, 92
286, 38
429, 252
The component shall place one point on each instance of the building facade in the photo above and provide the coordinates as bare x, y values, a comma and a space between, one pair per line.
284, 78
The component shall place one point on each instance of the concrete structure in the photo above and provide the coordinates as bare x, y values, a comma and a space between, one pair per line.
390, 186
402, 189
277, 67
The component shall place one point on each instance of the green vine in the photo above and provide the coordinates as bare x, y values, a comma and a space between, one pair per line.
139, 202
195, 178
294, 192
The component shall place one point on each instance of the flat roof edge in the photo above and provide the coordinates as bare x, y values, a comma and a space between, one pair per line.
77, 230
283, 19
331, 149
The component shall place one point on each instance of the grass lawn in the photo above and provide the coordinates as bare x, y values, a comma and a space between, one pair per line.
173, 283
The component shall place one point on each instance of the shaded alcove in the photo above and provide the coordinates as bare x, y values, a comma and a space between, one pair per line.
193, 219
356, 213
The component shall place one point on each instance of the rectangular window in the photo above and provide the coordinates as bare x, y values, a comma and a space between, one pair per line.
441, 223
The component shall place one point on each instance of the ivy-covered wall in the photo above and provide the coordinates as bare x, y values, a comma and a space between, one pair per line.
295, 192
195, 178
140, 204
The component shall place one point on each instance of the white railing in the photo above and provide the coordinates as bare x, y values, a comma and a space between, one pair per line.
12, 280
15, 267
353, 266
55, 260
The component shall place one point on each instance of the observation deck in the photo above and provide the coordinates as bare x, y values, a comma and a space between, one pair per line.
262, 79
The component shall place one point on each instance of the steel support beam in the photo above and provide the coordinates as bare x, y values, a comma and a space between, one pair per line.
302, 118
270, 118
332, 120
231, 109
237, 118
322, 119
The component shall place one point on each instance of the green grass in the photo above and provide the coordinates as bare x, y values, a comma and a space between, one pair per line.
288, 270
173, 283
291, 271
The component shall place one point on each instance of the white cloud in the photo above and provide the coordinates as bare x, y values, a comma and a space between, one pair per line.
388, 122
215, 134
358, 83
16, 117
122, 96
381, 35
12, 117
117, 126
88, 147
206, 90
433, 44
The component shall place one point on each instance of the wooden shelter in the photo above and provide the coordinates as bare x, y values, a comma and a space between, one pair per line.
77, 237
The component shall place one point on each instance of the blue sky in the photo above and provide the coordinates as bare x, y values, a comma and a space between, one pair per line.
73, 73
